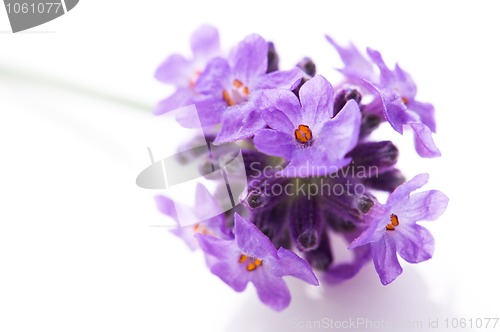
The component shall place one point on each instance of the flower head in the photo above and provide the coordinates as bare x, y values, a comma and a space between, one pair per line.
304, 131
251, 257
393, 228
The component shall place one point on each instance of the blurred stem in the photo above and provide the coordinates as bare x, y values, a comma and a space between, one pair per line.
57, 83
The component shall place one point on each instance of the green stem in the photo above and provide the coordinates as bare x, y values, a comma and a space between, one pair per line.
37, 78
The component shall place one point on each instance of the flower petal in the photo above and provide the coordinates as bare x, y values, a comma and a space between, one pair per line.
239, 122
280, 109
251, 240
274, 143
402, 193
166, 206
426, 113
415, 244
283, 79
224, 261
340, 272
249, 59
340, 134
405, 84
176, 69
179, 98
206, 207
427, 205
214, 78
387, 78
316, 97
395, 111
272, 291
290, 264
205, 42
424, 144
385, 260
356, 65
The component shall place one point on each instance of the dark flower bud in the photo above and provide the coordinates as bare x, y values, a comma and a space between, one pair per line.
273, 60
343, 96
308, 66
369, 122
387, 181
305, 223
374, 155
321, 257
273, 223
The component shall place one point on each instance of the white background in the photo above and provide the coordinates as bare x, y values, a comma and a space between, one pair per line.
77, 250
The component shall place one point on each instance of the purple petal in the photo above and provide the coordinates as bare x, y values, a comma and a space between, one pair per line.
272, 291
424, 144
274, 143
205, 42
316, 97
214, 78
206, 206
427, 205
385, 260
166, 206
208, 112
176, 69
405, 84
224, 260
283, 79
426, 113
402, 193
342, 132
239, 122
415, 244
251, 240
280, 109
179, 98
395, 111
344, 271
377, 219
249, 60
292, 265
387, 78
307, 162
356, 65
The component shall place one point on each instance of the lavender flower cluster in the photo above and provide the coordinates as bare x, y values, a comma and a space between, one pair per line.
313, 169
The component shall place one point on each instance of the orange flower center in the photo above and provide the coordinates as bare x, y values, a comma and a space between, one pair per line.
237, 94
303, 134
394, 222
252, 263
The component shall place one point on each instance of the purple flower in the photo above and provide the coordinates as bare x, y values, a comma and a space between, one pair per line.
397, 91
183, 73
393, 228
251, 257
207, 211
229, 90
305, 133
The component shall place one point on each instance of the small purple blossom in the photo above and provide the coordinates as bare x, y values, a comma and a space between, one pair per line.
304, 131
229, 90
395, 95
251, 257
183, 73
207, 215
393, 228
